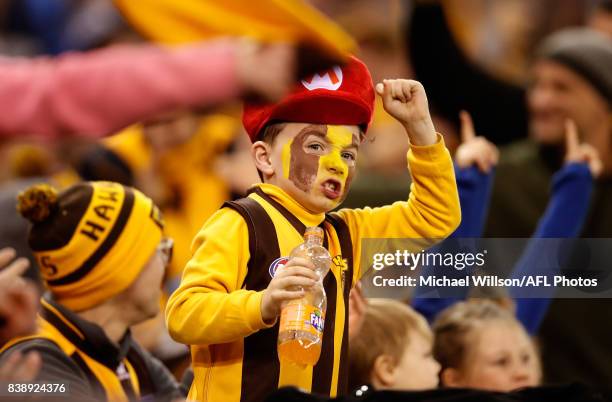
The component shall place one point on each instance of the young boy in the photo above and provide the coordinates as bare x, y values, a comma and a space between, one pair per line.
394, 350
305, 148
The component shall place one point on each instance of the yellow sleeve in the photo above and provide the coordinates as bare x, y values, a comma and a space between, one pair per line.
432, 210
209, 307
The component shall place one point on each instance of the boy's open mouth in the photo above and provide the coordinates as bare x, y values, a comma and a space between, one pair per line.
332, 188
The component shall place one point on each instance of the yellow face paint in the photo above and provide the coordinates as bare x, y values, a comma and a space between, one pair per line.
311, 163
286, 157
339, 138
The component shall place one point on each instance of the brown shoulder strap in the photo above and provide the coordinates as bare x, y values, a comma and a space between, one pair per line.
346, 244
263, 242
346, 248
295, 222
260, 347
292, 219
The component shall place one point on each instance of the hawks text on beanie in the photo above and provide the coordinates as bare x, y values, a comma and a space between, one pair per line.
92, 240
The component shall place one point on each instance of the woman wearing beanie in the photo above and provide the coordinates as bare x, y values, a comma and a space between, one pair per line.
100, 250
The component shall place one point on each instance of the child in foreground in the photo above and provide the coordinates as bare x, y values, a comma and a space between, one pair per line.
394, 350
305, 148
481, 345
476, 344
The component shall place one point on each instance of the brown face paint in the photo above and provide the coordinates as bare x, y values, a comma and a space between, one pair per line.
303, 167
339, 138
349, 178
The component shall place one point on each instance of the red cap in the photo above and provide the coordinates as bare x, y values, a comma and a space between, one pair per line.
341, 95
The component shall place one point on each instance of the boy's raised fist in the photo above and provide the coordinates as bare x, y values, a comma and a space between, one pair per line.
406, 101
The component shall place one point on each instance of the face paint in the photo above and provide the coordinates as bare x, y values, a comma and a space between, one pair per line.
316, 164
347, 183
302, 165
333, 165
286, 155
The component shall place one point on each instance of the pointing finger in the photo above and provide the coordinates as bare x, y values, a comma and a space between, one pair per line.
572, 141
467, 126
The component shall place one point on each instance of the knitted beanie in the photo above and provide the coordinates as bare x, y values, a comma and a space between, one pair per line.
586, 52
92, 240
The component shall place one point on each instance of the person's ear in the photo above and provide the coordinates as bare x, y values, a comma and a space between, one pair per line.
383, 372
451, 377
261, 152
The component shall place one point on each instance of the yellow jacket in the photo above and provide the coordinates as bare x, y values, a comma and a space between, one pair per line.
217, 312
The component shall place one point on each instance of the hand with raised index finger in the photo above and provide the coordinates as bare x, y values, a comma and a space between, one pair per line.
577, 152
474, 149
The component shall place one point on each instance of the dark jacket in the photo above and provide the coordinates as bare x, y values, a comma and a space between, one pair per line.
78, 353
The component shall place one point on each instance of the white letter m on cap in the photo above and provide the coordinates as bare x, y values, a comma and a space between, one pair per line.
331, 79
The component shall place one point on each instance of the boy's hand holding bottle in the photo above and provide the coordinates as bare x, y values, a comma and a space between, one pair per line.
289, 283
297, 293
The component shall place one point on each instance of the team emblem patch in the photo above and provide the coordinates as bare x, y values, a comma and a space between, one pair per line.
331, 79
276, 264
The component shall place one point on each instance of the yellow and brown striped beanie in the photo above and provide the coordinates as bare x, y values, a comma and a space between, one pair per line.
91, 240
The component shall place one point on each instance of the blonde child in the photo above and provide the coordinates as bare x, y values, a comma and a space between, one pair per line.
393, 350
481, 345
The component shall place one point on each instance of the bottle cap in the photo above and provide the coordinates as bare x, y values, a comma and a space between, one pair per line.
313, 231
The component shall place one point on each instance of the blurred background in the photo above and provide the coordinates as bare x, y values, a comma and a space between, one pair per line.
190, 161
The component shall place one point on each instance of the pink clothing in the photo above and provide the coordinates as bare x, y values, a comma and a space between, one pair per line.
100, 92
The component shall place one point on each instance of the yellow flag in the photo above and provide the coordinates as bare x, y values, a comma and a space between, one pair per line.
181, 21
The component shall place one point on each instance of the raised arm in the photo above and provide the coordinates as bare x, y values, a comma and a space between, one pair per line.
99, 92
565, 214
432, 210
475, 160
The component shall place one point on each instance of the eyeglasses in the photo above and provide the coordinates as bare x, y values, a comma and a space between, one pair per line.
165, 247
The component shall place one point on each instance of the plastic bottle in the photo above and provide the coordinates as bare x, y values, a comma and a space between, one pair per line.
301, 324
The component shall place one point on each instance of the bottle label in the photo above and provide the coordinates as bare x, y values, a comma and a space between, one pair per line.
297, 316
